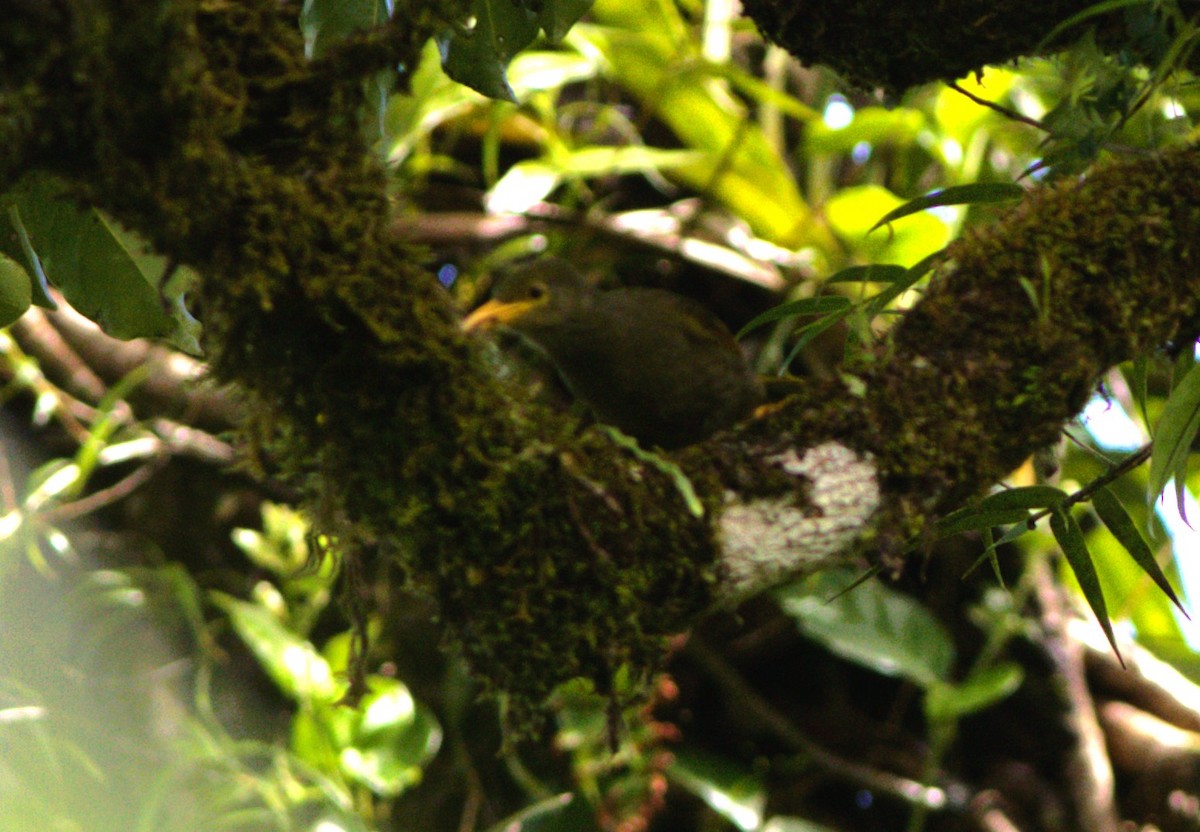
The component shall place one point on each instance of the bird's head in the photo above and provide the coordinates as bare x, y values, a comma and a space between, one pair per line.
541, 297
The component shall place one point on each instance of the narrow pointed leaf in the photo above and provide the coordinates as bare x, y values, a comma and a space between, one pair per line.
1070, 539
977, 519
1117, 520
957, 195
806, 306
1174, 432
1028, 497
875, 273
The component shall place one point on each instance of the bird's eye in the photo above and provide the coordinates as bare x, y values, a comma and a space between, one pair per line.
536, 291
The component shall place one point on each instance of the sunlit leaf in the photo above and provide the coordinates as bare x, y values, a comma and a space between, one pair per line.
731, 789
1117, 520
1175, 431
292, 662
975, 194
393, 740
850, 212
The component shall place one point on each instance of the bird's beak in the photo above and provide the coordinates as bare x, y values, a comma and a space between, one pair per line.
494, 313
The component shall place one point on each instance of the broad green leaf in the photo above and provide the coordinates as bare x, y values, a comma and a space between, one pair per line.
523, 185
478, 57
558, 16
16, 291
393, 740
561, 813
1117, 520
946, 702
976, 194
534, 71
104, 271
531, 181
872, 625
1026, 497
1173, 435
731, 789
292, 662
824, 305
1070, 539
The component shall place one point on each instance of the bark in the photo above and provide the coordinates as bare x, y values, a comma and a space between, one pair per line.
554, 551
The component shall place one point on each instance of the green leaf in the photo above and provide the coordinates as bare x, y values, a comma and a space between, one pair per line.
1117, 520
1027, 497
976, 194
730, 788
849, 213
480, 56
392, 741
824, 305
292, 662
873, 626
16, 291
558, 16
1173, 435
874, 273
1070, 539
648, 51
978, 519
947, 702
104, 271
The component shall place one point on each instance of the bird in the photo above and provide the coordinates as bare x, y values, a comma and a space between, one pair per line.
658, 366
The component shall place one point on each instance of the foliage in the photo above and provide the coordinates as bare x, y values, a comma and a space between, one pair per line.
849, 199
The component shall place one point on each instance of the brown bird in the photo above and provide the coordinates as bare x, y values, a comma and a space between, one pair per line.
658, 366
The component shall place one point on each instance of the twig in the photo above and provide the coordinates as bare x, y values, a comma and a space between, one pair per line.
1001, 109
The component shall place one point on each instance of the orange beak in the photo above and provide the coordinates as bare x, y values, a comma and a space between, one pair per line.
495, 313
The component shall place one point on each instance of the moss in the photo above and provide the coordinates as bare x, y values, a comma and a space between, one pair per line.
1022, 319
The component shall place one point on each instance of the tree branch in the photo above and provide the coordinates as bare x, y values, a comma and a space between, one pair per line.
553, 551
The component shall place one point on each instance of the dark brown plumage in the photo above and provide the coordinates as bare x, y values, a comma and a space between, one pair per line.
657, 365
